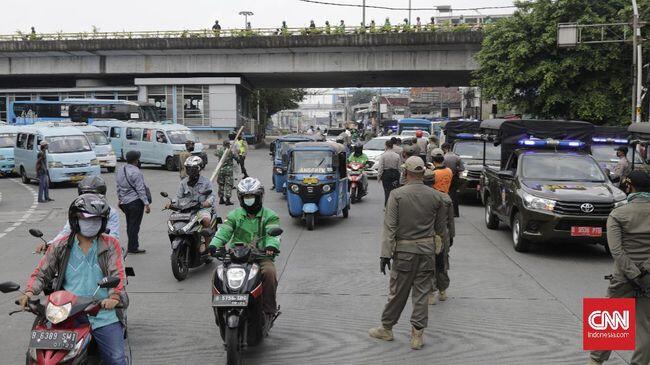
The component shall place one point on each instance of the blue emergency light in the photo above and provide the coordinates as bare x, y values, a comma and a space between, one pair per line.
610, 140
551, 143
468, 136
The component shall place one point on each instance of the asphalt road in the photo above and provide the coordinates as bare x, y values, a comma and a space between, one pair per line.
504, 308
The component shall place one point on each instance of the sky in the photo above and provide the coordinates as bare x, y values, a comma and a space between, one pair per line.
49, 16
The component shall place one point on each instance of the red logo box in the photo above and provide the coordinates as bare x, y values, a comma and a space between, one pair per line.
608, 323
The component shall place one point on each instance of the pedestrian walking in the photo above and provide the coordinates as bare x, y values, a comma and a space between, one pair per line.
455, 163
183, 156
628, 237
225, 179
242, 149
133, 197
442, 175
388, 169
43, 175
411, 223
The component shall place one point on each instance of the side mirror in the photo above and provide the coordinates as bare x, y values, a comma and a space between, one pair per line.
164, 194
36, 232
8, 287
109, 282
506, 174
274, 232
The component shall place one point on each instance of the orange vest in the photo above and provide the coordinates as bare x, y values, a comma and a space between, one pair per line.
443, 179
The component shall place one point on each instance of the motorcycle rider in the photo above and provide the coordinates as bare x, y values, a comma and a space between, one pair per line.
197, 186
81, 259
249, 223
89, 185
359, 157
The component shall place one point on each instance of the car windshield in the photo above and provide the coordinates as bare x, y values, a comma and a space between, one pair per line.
559, 167
412, 133
7, 140
180, 137
97, 138
376, 144
312, 162
474, 150
334, 132
607, 153
282, 148
68, 144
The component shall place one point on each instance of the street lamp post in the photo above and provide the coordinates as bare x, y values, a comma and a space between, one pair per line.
363, 16
246, 14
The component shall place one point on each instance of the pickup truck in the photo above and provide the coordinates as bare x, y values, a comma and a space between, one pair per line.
548, 188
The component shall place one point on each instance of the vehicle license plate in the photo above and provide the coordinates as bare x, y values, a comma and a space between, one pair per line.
76, 178
180, 216
586, 231
310, 180
230, 300
53, 340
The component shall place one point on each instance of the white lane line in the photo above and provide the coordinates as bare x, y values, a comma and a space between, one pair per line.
28, 212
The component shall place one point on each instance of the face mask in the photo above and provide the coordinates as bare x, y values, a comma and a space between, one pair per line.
249, 201
90, 227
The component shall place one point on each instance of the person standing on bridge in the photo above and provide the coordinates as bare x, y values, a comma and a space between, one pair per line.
628, 237
216, 28
411, 223
328, 27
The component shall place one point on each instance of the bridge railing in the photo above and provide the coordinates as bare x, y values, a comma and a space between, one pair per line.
231, 33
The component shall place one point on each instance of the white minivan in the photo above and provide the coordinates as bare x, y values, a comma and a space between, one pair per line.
101, 145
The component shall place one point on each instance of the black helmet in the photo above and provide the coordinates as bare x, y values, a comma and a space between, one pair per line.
88, 206
251, 186
92, 185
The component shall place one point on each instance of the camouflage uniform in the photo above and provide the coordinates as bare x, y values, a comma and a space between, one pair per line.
225, 178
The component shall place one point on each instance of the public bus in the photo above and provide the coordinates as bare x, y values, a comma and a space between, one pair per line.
79, 110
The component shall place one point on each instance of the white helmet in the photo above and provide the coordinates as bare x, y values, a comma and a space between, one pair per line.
250, 192
193, 166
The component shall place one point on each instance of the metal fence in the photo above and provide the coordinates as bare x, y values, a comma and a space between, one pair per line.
232, 33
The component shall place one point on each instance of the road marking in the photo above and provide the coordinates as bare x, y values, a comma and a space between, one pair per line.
28, 212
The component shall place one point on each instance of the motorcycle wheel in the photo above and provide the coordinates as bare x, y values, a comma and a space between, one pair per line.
353, 194
309, 219
179, 264
233, 356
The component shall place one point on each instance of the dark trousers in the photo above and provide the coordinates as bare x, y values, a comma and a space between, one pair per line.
134, 212
453, 194
110, 343
43, 188
390, 181
242, 161
269, 285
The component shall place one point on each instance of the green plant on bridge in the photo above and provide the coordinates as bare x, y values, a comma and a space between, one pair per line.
521, 65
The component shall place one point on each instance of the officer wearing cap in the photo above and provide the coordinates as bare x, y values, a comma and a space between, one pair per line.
454, 162
628, 237
411, 222
622, 167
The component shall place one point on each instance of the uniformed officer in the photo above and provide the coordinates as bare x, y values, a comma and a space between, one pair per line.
441, 277
388, 169
411, 222
454, 162
628, 237
189, 148
225, 179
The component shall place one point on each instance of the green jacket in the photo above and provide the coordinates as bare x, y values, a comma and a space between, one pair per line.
360, 159
239, 227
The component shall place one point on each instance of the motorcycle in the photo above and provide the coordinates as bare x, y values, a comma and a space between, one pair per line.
61, 333
237, 299
186, 235
358, 181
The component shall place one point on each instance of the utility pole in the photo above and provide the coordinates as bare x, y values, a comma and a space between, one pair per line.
410, 13
363, 16
638, 63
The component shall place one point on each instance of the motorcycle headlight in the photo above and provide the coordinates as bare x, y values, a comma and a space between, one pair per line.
54, 164
57, 314
327, 188
295, 188
94, 162
189, 226
463, 175
236, 277
534, 202
253, 273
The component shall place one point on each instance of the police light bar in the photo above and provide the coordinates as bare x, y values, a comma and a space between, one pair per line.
551, 143
469, 136
610, 140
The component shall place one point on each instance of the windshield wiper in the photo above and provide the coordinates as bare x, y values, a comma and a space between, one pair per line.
317, 166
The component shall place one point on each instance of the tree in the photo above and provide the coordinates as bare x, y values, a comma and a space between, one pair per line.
275, 100
521, 64
362, 96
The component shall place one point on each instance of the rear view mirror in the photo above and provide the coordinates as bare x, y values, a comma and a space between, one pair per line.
109, 282
8, 287
164, 194
506, 174
274, 232
36, 232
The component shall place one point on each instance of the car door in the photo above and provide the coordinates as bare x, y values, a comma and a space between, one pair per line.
147, 146
506, 188
115, 135
30, 162
162, 148
132, 141
20, 152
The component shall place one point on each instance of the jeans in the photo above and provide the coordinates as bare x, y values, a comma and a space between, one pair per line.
43, 188
134, 212
110, 343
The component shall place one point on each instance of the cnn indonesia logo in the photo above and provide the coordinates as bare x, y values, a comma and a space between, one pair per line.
608, 324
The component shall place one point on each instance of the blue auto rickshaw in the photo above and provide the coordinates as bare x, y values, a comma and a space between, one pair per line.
317, 183
279, 149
